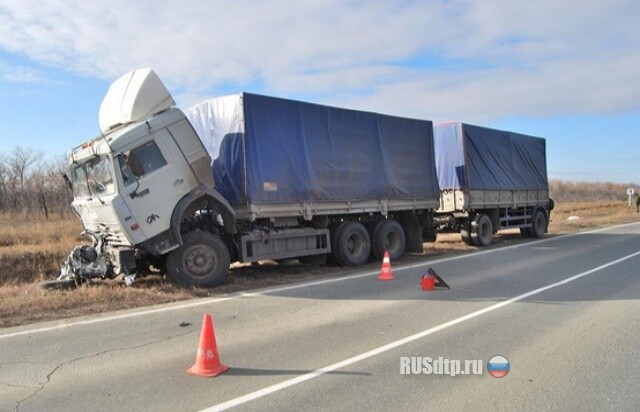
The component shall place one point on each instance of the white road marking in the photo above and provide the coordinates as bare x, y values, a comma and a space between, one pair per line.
377, 351
202, 302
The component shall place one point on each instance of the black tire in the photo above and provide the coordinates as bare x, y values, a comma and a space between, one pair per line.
481, 230
524, 232
352, 245
465, 232
64, 284
388, 235
334, 231
538, 224
202, 261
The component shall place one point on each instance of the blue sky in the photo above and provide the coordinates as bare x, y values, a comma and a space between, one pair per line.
568, 70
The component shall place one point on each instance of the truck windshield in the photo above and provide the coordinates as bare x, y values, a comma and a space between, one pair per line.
93, 177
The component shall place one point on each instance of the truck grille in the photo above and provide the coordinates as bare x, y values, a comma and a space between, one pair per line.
117, 239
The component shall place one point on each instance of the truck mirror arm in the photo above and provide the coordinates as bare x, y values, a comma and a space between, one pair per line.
67, 181
134, 194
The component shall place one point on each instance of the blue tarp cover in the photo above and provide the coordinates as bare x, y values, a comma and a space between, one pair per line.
474, 157
273, 150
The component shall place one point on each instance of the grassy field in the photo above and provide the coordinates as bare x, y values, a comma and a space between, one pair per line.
32, 251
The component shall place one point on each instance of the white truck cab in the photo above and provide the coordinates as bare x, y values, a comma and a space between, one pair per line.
129, 182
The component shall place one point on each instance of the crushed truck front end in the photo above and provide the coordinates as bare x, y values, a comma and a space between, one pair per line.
118, 179
99, 204
97, 198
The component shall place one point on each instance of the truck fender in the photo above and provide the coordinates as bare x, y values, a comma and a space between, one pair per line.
197, 199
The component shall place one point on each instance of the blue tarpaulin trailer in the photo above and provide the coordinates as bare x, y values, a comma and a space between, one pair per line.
293, 162
270, 151
474, 157
490, 180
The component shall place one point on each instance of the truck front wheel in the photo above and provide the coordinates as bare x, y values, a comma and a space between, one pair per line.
202, 261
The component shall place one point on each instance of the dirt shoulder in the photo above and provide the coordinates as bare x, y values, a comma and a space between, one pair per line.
32, 251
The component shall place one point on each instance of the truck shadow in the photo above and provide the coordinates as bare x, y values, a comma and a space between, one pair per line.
271, 273
494, 277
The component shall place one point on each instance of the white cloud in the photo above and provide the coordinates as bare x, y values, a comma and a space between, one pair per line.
442, 60
21, 74
558, 88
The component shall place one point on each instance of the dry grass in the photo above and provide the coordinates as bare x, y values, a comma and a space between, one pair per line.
32, 251
590, 215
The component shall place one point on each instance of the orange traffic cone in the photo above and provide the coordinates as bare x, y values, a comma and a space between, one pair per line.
207, 359
385, 272
428, 282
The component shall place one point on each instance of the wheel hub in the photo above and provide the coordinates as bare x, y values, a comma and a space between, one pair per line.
354, 244
391, 242
199, 260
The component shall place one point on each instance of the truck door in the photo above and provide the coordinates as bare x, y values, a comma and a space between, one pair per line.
154, 177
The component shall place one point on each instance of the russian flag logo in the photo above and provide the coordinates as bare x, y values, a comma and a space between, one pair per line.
498, 366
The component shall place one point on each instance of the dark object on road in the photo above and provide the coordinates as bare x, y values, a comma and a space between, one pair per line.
439, 282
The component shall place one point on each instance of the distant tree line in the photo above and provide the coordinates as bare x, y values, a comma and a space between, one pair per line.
31, 183
569, 191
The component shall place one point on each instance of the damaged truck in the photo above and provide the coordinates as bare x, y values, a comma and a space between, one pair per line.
244, 178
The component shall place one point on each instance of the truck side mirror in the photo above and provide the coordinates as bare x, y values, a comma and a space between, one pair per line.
68, 181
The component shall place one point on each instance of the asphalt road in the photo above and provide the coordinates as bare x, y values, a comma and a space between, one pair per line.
565, 311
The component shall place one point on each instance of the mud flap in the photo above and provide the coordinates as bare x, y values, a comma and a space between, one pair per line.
412, 231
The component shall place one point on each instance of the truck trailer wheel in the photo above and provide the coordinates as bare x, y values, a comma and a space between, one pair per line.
202, 261
524, 232
334, 231
481, 230
538, 224
352, 245
388, 235
465, 232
